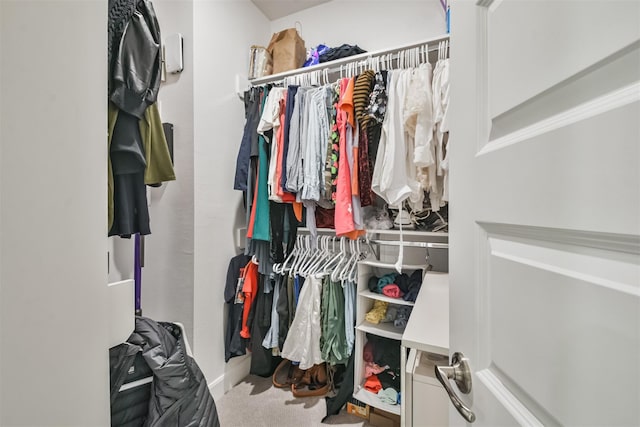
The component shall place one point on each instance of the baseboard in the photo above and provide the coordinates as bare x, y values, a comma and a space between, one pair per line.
235, 371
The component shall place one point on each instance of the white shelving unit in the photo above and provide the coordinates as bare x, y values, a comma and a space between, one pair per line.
372, 295
366, 299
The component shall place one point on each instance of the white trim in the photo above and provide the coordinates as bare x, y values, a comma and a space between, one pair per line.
597, 106
216, 387
507, 399
137, 383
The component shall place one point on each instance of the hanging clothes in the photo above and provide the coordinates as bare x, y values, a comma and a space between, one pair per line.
303, 341
234, 344
333, 153
269, 127
349, 291
263, 362
271, 338
261, 225
441, 119
362, 89
136, 68
334, 340
344, 220
289, 105
137, 147
394, 175
294, 155
249, 143
419, 122
316, 135
249, 292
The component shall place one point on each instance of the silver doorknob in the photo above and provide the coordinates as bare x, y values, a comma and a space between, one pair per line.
459, 372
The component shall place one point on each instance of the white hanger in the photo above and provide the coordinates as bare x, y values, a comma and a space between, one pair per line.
293, 255
341, 259
343, 273
303, 248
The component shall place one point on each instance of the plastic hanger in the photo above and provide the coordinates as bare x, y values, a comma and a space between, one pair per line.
293, 255
294, 266
314, 256
341, 259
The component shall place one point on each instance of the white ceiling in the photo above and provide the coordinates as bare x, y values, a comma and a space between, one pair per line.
274, 9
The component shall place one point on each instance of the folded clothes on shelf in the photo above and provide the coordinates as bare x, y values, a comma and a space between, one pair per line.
392, 291
385, 280
402, 317
377, 313
372, 384
388, 396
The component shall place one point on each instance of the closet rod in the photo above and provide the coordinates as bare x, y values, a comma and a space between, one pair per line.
334, 66
430, 245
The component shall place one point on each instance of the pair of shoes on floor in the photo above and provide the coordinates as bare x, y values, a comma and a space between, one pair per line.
303, 383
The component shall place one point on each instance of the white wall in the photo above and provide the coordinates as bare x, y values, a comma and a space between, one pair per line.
54, 366
372, 25
223, 32
167, 277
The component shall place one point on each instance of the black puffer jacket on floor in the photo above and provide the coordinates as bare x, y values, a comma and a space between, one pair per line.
180, 395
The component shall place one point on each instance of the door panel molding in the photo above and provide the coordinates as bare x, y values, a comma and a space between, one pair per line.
510, 402
601, 105
482, 74
519, 267
629, 244
615, 72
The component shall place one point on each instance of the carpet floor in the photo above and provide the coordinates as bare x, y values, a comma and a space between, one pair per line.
256, 403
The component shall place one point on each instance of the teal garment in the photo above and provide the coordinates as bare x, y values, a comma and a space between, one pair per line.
388, 396
261, 227
385, 280
334, 347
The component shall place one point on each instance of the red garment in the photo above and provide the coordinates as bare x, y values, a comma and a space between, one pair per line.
392, 291
286, 197
373, 384
249, 289
344, 204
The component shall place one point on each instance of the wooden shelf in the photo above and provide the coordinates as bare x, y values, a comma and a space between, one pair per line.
381, 297
387, 330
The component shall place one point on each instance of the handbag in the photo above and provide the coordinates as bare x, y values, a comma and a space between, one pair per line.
287, 50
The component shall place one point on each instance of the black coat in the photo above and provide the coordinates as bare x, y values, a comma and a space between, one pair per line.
179, 392
136, 62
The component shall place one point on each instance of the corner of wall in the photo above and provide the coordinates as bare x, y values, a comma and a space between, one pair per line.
218, 125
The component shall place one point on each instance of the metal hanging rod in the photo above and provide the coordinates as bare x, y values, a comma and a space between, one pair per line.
335, 66
430, 245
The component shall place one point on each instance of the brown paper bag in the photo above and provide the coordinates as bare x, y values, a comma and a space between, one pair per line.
287, 50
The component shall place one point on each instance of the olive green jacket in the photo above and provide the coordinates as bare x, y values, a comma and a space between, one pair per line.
159, 166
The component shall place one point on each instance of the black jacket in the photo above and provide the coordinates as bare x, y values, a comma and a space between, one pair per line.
136, 57
179, 395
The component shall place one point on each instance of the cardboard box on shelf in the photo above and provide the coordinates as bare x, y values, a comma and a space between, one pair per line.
358, 408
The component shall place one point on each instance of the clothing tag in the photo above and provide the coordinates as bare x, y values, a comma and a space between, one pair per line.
239, 295
131, 370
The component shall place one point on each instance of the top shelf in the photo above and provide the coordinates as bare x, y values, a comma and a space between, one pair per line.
391, 232
338, 62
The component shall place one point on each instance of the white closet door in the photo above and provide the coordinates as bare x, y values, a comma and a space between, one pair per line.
545, 210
